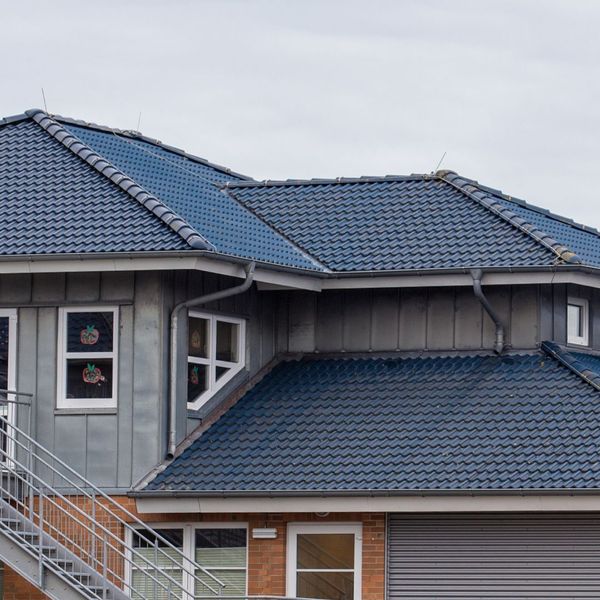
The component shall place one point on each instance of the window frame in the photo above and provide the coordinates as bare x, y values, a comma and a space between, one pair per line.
294, 529
211, 362
62, 402
584, 305
189, 546
11, 384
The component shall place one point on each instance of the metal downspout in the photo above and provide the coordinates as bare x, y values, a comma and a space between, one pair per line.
499, 344
234, 291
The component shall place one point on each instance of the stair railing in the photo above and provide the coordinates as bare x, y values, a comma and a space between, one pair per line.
102, 533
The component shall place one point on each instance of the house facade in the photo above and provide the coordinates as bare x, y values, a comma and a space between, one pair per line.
381, 387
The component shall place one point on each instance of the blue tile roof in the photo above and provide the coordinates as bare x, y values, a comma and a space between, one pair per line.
393, 223
53, 202
443, 423
191, 187
421, 222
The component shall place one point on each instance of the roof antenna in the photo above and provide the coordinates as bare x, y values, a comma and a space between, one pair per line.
439, 163
44, 99
139, 120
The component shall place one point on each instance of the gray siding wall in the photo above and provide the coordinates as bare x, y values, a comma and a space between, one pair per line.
405, 319
102, 445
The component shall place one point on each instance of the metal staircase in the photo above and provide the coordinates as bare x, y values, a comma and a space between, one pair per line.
73, 541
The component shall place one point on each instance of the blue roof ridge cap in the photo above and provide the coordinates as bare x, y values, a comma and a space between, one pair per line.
139, 194
481, 197
538, 209
571, 362
136, 135
226, 189
326, 181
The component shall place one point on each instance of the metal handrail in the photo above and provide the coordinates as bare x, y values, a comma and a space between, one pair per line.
72, 522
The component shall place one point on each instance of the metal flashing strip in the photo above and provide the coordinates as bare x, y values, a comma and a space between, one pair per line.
147, 200
478, 195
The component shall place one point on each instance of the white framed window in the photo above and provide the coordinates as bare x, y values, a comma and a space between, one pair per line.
216, 353
578, 321
324, 560
220, 548
88, 344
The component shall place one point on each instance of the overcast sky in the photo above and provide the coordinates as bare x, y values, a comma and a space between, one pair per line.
510, 90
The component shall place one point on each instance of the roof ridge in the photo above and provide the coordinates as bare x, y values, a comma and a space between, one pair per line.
126, 183
13, 119
137, 135
467, 187
534, 208
225, 189
327, 181
571, 362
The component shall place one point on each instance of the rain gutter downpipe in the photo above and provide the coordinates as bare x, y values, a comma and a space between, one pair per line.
213, 297
499, 344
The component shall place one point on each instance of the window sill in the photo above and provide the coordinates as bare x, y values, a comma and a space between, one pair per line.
85, 411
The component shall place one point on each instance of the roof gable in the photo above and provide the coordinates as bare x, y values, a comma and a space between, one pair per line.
53, 202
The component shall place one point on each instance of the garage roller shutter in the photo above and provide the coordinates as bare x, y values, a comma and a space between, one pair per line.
493, 557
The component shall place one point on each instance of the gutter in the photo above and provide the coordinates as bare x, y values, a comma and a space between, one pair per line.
499, 344
205, 299
358, 493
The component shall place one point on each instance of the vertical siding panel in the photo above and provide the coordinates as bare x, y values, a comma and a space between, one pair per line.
384, 332
45, 392
267, 328
412, 319
440, 320
524, 316
71, 435
83, 287
15, 288
546, 320
469, 320
102, 449
329, 322
282, 322
27, 367
560, 313
302, 322
357, 321
48, 287
499, 298
124, 423
116, 286
147, 380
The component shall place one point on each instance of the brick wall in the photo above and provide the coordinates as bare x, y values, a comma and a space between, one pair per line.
266, 558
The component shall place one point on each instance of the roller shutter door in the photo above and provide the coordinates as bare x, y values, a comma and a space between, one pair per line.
518, 557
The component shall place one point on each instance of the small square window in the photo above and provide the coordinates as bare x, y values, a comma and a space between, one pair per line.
87, 373
578, 321
215, 354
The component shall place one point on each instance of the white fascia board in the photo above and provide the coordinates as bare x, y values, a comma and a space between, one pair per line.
403, 504
272, 279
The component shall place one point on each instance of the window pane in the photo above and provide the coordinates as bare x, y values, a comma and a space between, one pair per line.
197, 380
198, 337
574, 320
221, 538
227, 341
326, 551
145, 586
221, 547
235, 581
220, 371
146, 539
89, 378
332, 585
90, 332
